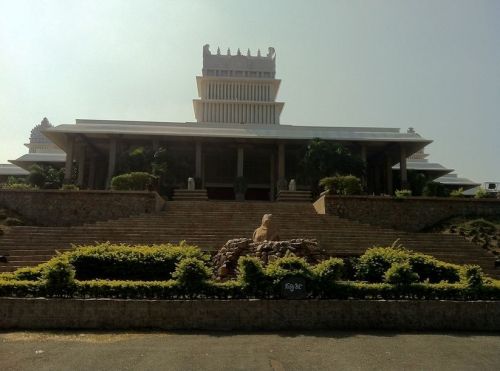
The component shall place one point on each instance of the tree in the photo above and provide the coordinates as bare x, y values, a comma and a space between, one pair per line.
46, 177
323, 159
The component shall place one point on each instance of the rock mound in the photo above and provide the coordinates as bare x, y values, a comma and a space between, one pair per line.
226, 259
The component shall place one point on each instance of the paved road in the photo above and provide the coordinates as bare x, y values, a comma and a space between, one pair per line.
265, 351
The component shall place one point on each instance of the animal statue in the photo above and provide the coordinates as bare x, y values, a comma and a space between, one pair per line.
191, 184
267, 230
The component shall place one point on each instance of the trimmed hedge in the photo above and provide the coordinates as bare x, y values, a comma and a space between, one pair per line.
235, 290
183, 272
125, 262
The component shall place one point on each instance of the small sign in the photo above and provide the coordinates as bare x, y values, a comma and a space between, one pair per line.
293, 288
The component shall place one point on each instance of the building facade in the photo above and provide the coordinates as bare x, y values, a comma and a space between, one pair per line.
237, 134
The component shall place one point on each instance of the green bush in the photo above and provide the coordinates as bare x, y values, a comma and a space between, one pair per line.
373, 264
191, 274
329, 270
457, 193
18, 186
125, 262
346, 185
59, 277
137, 181
482, 193
403, 193
13, 221
430, 269
251, 276
472, 275
288, 267
400, 274
29, 273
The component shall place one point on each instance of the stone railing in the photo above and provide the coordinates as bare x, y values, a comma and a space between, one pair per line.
411, 214
65, 208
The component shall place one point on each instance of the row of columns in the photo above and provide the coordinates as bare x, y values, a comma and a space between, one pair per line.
112, 156
238, 91
240, 112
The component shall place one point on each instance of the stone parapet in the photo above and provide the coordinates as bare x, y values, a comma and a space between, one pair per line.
255, 315
67, 208
410, 214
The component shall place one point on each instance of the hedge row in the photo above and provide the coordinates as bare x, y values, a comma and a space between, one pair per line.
125, 262
237, 290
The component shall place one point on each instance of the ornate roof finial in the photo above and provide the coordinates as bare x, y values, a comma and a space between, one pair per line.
258, 53
410, 130
228, 51
248, 53
206, 49
238, 52
271, 52
218, 51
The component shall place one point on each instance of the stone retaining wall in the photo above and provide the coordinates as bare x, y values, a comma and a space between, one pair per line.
65, 208
17, 313
411, 214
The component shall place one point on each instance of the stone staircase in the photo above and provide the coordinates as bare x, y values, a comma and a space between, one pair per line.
209, 224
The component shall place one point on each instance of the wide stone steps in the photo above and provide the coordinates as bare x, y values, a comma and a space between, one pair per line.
209, 225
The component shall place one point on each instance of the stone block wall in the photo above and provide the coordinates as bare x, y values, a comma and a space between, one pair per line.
411, 214
19, 313
66, 208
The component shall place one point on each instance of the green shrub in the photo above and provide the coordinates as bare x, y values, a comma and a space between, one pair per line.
13, 221
430, 269
373, 264
288, 267
457, 193
59, 276
482, 193
472, 275
125, 262
251, 276
435, 189
21, 289
136, 181
127, 289
329, 270
400, 274
191, 274
18, 186
346, 185
403, 193
29, 273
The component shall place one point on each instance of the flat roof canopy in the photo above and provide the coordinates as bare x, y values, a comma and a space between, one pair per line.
102, 129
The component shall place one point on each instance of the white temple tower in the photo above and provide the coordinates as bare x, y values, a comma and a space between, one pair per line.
238, 89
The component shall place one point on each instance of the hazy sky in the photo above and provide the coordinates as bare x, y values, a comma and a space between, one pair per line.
433, 65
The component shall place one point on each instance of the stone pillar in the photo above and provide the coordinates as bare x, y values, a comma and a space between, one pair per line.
68, 168
91, 180
402, 167
364, 178
81, 166
281, 161
240, 162
272, 177
111, 161
388, 169
198, 156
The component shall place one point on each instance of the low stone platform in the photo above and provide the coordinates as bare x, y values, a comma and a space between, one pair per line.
187, 195
294, 196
